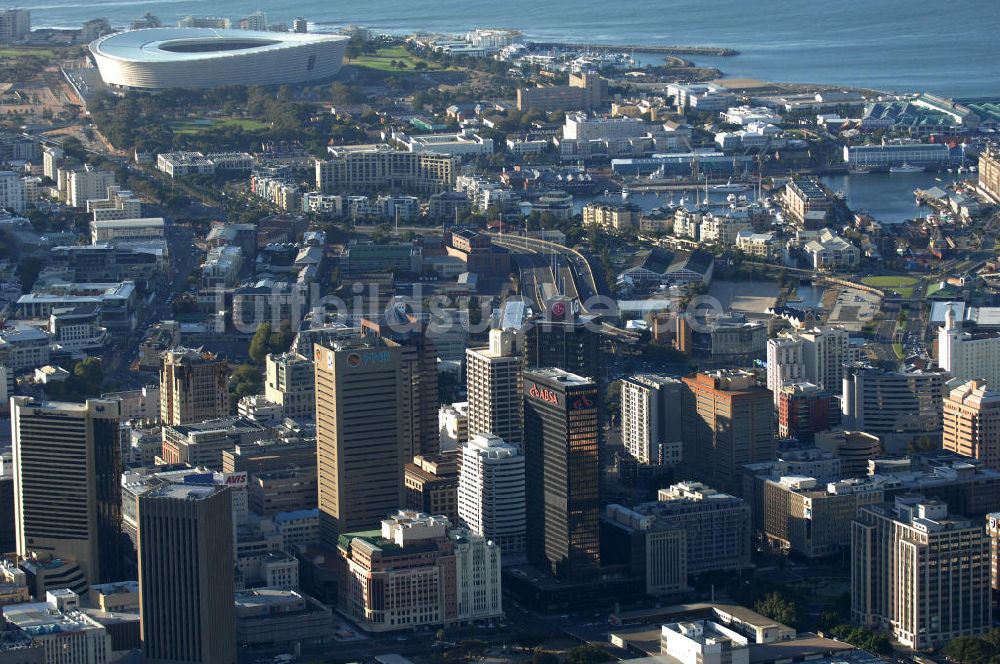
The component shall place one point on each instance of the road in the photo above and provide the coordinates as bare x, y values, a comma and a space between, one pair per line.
184, 258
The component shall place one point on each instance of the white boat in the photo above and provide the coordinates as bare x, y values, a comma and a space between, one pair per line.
860, 170
907, 168
729, 186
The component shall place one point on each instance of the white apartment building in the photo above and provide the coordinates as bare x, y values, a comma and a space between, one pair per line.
463, 144
494, 378
815, 356
221, 268
581, 127
703, 642
86, 183
12, 193
832, 252
491, 500
453, 425
723, 229
968, 356
143, 229
119, 204
786, 363
651, 419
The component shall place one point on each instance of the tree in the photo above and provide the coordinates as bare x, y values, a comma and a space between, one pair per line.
28, 270
281, 341
969, 650
544, 657
588, 653
259, 344
779, 606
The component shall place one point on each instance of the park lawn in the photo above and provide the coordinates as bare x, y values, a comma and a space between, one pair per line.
901, 284
46, 53
196, 127
382, 60
898, 350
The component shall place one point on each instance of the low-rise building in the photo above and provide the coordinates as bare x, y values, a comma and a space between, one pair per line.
202, 443
68, 637
278, 618
418, 571
611, 216
689, 530
829, 251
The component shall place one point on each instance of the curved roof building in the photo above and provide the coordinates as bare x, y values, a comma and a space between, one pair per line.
204, 57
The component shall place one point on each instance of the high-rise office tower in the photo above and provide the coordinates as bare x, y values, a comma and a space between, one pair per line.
563, 478
921, 574
965, 354
491, 492
359, 450
493, 379
186, 579
651, 422
193, 386
418, 378
67, 485
561, 338
727, 422
902, 408
971, 421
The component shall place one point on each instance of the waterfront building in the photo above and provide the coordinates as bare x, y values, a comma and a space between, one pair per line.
934, 155
563, 476
584, 92
920, 573
989, 173
186, 577
611, 216
67, 490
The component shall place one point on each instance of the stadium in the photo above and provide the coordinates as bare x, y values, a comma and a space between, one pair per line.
160, 58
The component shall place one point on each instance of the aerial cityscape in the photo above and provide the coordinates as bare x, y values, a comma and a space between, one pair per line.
407, 334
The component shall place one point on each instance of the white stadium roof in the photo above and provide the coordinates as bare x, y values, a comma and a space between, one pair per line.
207, 57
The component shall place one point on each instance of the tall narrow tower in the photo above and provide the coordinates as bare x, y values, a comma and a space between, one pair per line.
67, 491
186, 579
359, 450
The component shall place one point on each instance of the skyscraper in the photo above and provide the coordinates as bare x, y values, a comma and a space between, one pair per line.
971, 421
193, 386
67, 491
968, 354
493, 377
491, 492
815, 356
563, 479
785, 363
418, 378
727, 422
651, 422
562, 339
923, 575
186, 580
359, 451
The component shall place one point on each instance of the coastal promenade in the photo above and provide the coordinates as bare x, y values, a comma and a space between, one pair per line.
669, 50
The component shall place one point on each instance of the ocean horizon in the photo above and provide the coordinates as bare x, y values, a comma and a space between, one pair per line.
891, 45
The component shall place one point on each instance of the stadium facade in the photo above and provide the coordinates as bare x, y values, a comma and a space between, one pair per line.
159, 58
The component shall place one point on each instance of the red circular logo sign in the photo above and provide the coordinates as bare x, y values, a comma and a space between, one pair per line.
558, 309
353, 360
